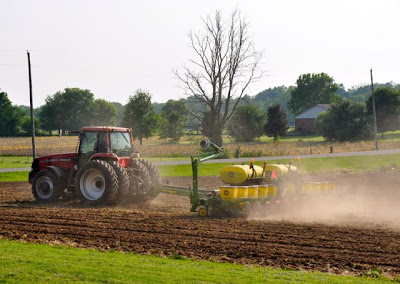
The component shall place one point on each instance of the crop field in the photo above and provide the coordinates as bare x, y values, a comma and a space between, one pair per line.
354, 232
156, 148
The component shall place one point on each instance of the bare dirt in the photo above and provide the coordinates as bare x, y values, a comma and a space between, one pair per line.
356, 230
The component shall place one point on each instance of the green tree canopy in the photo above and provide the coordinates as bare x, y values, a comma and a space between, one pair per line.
310, 90
246, 123
173, 118
10, 117
120, 112
345, 121
139, 114
277, 123
74, 108
67, 110
26, 126
277, 95
387, 105
103, 113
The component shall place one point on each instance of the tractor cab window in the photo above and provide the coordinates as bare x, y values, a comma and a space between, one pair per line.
120, 143
88, 144
103, 144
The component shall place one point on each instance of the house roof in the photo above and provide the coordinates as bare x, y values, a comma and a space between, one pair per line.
314, 111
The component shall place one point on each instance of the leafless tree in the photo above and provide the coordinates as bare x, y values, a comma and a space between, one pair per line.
225, 64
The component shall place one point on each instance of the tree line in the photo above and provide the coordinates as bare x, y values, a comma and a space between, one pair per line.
267, 112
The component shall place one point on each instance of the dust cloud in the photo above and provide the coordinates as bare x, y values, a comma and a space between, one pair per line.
360, 200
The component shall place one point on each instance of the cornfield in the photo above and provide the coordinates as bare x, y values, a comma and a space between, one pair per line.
155, 148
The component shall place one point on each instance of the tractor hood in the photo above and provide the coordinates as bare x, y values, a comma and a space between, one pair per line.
63, 161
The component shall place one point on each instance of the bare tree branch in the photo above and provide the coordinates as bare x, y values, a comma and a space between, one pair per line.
225, 64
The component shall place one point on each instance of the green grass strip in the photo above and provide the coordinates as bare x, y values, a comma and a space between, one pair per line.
33, 263
13, 162
354, 164
14, 176
310, 165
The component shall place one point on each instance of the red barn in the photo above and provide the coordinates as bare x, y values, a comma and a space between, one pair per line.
305, 121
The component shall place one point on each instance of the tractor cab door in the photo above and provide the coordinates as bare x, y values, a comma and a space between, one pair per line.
88, 146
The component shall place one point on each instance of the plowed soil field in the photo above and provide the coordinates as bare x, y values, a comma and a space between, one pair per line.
357, 230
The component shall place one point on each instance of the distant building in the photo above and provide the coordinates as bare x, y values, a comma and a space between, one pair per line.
305, 121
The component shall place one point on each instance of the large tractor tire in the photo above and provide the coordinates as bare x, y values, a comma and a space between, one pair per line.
155, 177
153, 171
96, 183
140, 182
45, 187
123, 180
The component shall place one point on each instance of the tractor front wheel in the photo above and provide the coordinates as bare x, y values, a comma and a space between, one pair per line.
45, 187
96, 183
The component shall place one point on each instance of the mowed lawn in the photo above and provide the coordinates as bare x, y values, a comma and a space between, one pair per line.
38, 263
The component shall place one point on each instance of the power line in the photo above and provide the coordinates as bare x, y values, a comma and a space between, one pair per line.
10, 50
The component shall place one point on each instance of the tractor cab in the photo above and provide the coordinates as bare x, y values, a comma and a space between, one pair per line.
104, 141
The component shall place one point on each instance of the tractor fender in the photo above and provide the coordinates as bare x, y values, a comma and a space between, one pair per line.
60, 174
104, 156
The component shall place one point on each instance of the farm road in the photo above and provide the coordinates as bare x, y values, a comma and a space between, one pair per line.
239, 160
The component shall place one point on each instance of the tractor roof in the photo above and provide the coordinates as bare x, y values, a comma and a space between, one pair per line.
105, 129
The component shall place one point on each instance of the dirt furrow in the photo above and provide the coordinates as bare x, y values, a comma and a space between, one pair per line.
161, 229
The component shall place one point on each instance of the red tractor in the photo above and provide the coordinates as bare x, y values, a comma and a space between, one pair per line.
105, 170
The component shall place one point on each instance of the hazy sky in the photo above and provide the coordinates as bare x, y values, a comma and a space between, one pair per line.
115, 47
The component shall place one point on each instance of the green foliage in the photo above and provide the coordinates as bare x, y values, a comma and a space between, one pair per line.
277, 123
387, 105
27, 110
246, 123
362, 92
238, 152
310, 90
68, 110
103, 113
173, 118
26, 126
159, 106
139, 114
345, 121
120, 112
10, 117
75, 108
277, 95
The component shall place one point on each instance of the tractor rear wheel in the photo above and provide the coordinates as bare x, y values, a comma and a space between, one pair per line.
45, 187
96, 183
140, 182
123, 180
153, 171
155, 178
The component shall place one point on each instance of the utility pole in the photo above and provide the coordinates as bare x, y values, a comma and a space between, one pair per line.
31, 101
374, 113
